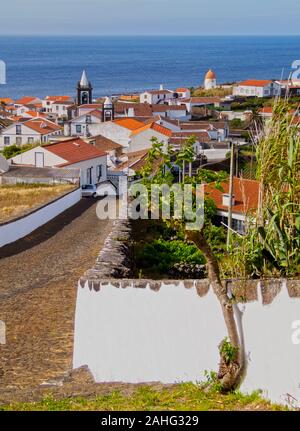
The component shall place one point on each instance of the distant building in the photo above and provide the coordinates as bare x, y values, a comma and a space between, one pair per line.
210, 80
289, 87
84, 90
257, 88
244, 201
183, 92
32, 131
154, 97
57, 106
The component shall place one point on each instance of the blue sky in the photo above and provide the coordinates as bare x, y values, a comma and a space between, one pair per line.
153, 17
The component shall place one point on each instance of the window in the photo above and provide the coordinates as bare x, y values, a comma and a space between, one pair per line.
99, 172
78, 128
88, 119
18, 129
19, 141
6, 140
89, 175
30, 140
57, 107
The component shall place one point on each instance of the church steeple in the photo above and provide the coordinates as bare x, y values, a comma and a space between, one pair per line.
108, 111
84, 90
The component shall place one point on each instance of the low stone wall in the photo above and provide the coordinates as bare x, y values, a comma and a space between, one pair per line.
115, 258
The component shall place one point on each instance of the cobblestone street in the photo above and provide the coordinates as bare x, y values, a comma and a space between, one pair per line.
38, 284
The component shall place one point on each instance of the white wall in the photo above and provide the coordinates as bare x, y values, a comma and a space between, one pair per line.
92, 163
28, 157
113, 131
13, 231
142, 140
138, 335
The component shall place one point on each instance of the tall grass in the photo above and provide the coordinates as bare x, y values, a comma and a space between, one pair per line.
16, 200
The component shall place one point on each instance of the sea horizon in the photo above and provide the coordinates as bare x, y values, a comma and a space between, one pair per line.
41, 65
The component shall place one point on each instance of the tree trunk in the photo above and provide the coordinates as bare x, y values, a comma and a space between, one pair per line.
230, 375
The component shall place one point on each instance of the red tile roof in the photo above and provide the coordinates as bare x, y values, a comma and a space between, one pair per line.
161, 129
25, 100
165, 108
140, 109
91, 105
181, 90
129, 123
104, 144
74, 151
245, 192
255, 83
58, 98
159, 91
42, 126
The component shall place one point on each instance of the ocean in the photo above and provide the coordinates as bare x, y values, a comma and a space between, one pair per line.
41, 66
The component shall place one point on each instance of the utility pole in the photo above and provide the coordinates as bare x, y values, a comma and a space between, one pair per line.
230, 196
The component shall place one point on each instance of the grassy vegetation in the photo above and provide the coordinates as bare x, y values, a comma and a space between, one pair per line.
186, 396
18, 199
214, 92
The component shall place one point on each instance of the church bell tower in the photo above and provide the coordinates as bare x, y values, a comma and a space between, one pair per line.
108, 111
84, 90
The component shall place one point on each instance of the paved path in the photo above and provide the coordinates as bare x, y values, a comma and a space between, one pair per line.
38, 294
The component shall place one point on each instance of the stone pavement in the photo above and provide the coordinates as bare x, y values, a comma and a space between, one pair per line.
38, 283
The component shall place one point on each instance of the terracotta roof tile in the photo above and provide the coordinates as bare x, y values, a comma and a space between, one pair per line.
129, 123
74, 151
42, 126
255, 83
245, 192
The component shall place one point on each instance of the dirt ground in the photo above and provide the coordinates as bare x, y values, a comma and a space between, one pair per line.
38, 282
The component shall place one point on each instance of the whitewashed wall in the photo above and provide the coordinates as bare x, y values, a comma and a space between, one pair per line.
139, 335
15, 230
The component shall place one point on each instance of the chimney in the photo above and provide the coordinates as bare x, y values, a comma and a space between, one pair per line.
161, 87
226, 200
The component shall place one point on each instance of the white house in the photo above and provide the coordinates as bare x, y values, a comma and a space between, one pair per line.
112, 149
29, 132
217, 130
57, 106
119, 130
171, 111
244, 201
140, 139
73, 153
202, 102
89, 107
132, 134
183, 92
28, 100
257, 88
156, 96
84, 125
